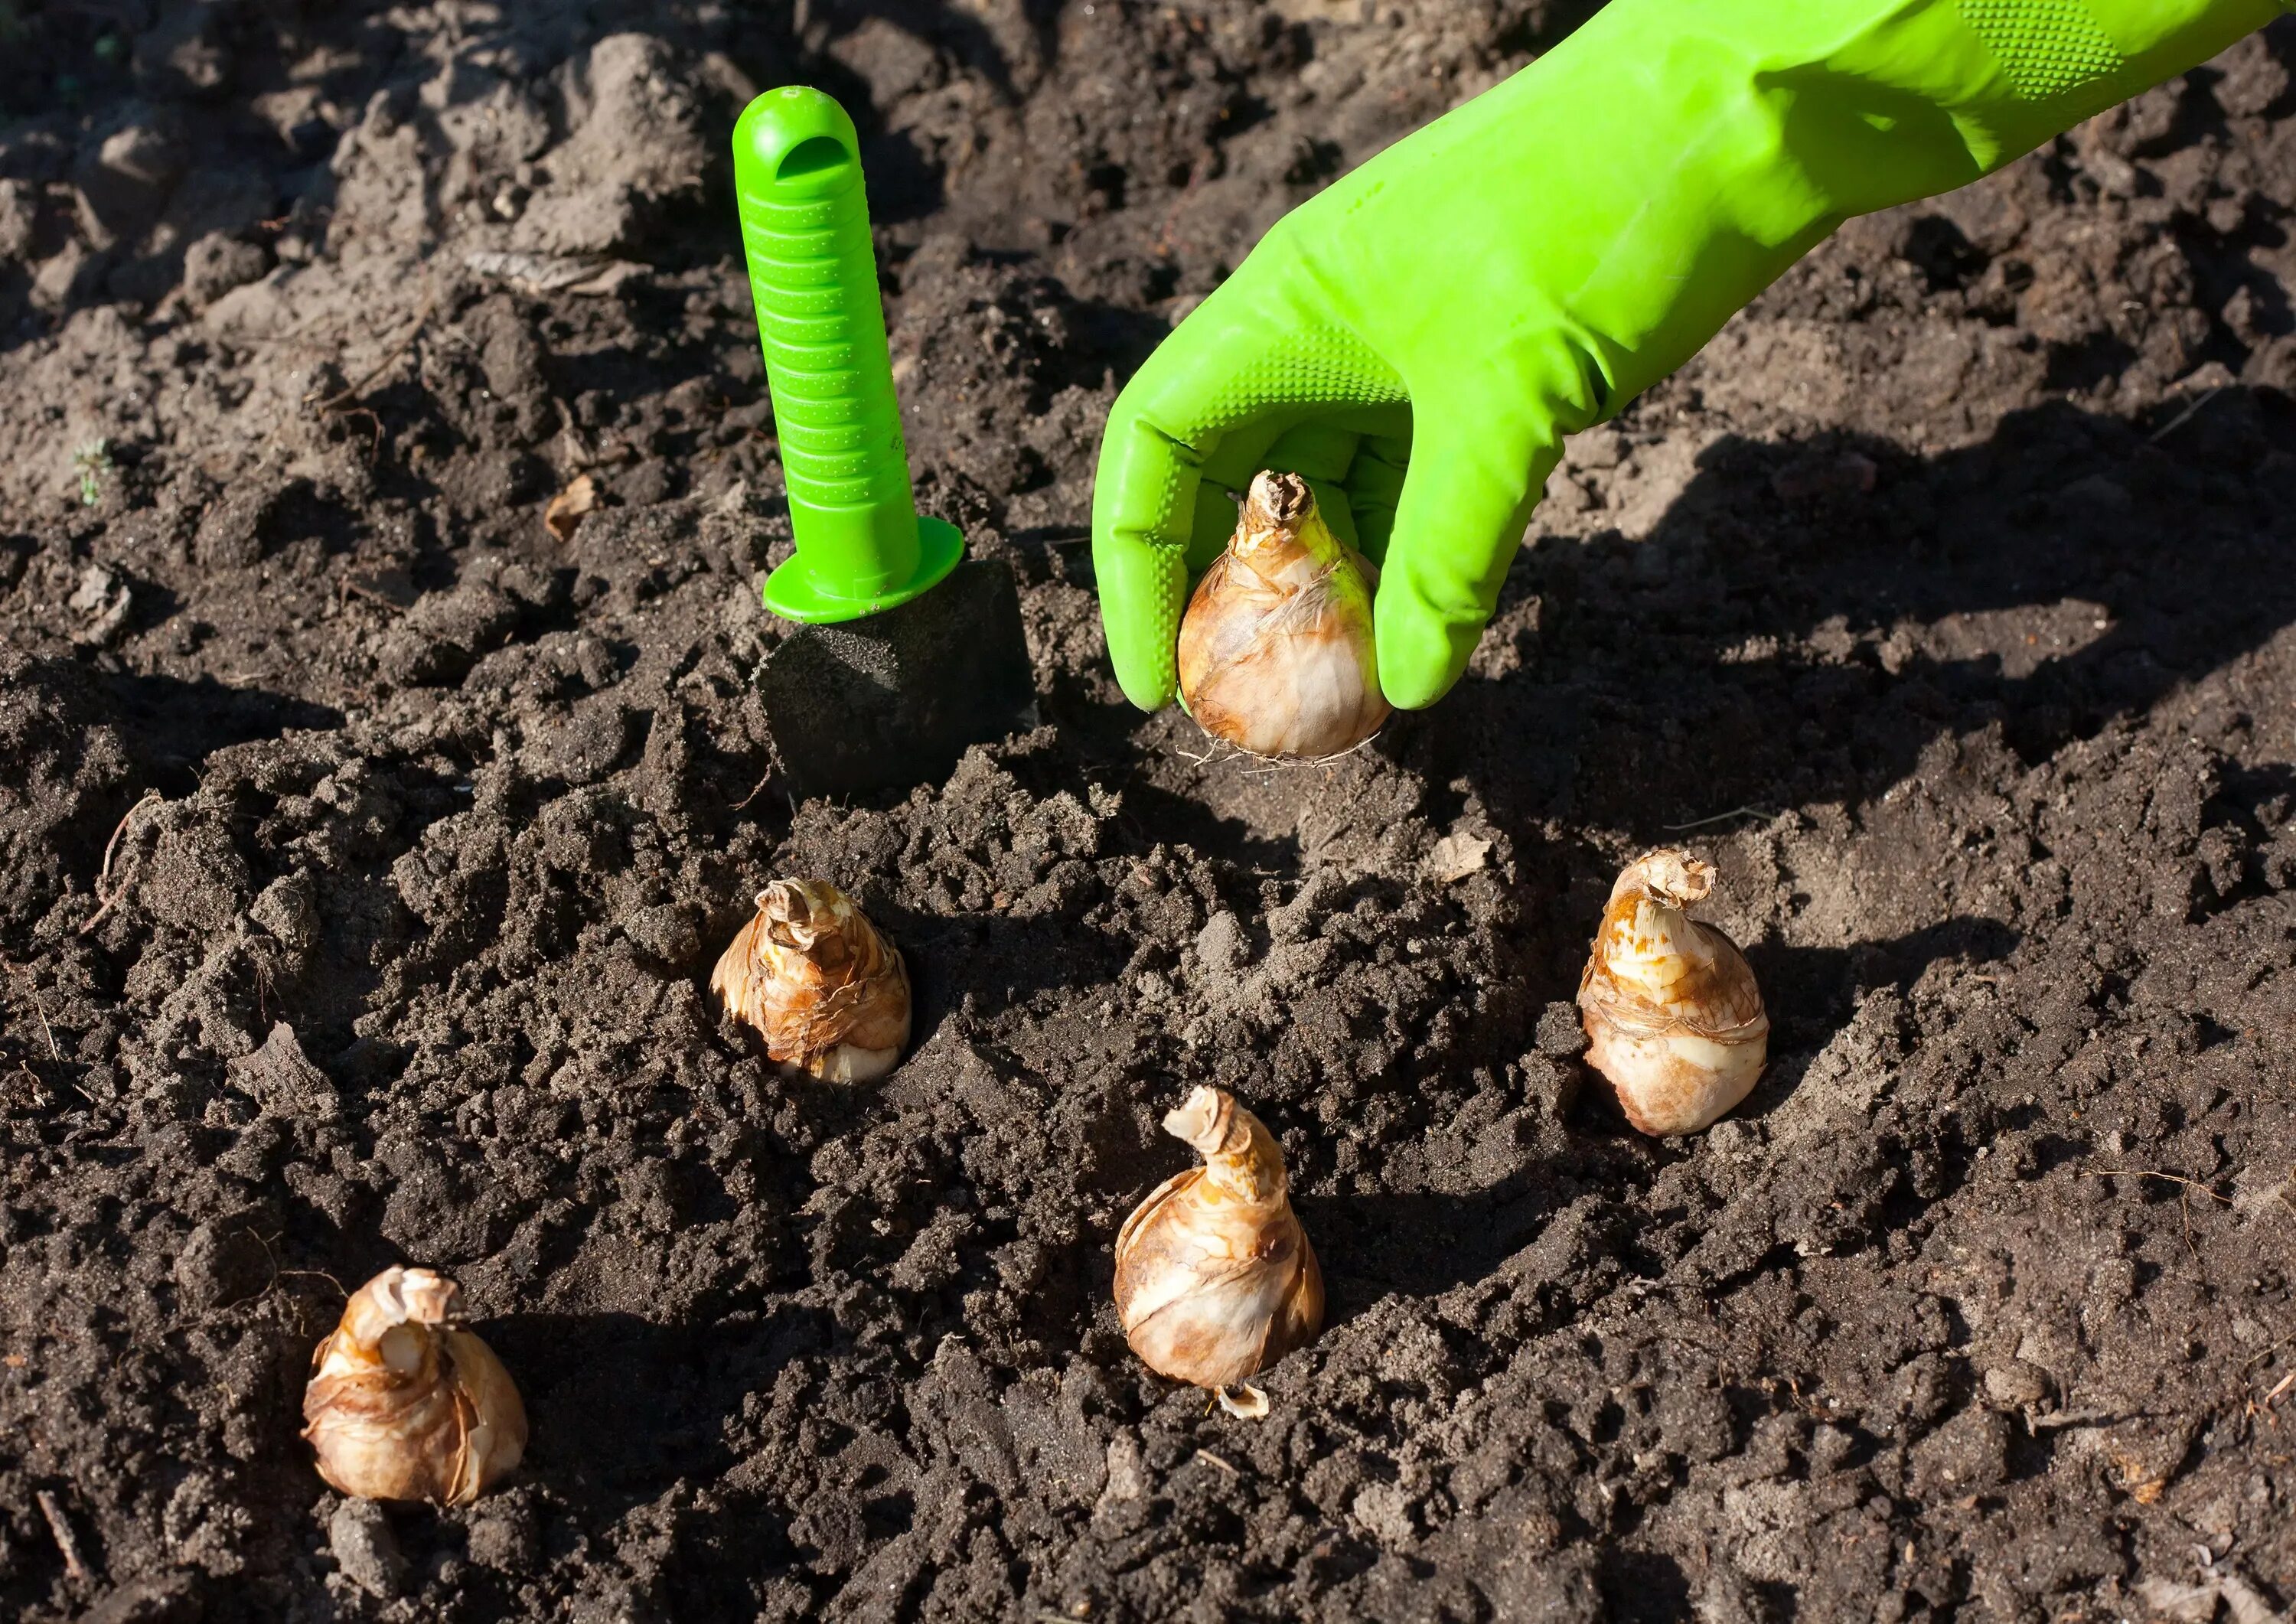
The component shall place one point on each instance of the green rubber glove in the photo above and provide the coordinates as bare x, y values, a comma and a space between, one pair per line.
1418, 339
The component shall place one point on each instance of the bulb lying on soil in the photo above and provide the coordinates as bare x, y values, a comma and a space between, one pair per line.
812, 973
1673, 1017
1215, 1279
1275, 652
404, 1405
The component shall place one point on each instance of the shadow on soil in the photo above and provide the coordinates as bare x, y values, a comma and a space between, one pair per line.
174, 725
600, 1437
1776, 588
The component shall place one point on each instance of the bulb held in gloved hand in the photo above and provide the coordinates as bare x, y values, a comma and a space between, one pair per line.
1214, 1277
404, 1405
1673, 1017
812, 973
1275, 652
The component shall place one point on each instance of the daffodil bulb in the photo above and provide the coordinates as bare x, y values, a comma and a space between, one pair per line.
1673, 1017
827, 991
405, 1405
1215, 1279
1276, 651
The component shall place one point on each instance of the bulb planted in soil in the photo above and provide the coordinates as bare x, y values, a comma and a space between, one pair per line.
404, 1403
1215, 1279
821, 984
1673, 1020
1275, 652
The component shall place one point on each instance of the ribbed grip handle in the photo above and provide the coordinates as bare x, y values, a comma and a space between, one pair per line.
812, 274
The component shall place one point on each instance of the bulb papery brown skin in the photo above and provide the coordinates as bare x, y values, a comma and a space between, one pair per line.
1275, 653
405, 1405
1673, 1018
1215, 1279
827, 991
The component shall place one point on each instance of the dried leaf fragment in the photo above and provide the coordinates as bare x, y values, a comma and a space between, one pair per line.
576, 274
563, 516
1456, 856
106, 597
2142, 1481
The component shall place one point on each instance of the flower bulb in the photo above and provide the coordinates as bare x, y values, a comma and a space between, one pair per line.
405, 1405
1215, 1279
1275, 652
812, 973
1673, 1017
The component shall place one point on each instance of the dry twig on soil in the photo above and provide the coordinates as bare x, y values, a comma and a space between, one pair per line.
1719, 818
2184, 1198
391, 358
2181, 418
61, 1528
110, 848
38, 1008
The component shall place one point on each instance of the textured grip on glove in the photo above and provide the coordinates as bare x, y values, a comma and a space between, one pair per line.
1320, 368
2046, 47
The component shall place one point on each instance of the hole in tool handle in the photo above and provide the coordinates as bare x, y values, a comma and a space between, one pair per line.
811, 156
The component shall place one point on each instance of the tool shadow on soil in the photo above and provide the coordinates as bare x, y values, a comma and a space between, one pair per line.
1422, 1245
1812, 992
1008, 961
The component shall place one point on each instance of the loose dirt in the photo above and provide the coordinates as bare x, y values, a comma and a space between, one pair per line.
1944, 604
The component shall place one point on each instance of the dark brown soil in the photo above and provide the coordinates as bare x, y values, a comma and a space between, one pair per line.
1945, 603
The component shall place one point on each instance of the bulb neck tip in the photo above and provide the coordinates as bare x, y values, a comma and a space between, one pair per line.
1281, 498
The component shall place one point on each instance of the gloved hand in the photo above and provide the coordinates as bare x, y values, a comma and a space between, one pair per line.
1418, 339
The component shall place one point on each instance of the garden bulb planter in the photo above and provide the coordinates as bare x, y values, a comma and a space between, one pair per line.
906, 653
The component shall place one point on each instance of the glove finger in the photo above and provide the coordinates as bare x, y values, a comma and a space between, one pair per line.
1214, 523
1293, 428
1458, 522
1374, 484
1317, 449
1145, 507
1139, 556
1246, 363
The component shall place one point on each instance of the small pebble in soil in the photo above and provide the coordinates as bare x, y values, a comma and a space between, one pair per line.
1560, 1032
2016, 1384
505, 1535
365, 1549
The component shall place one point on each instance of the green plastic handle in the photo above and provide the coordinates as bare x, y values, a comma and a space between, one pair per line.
861, 546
